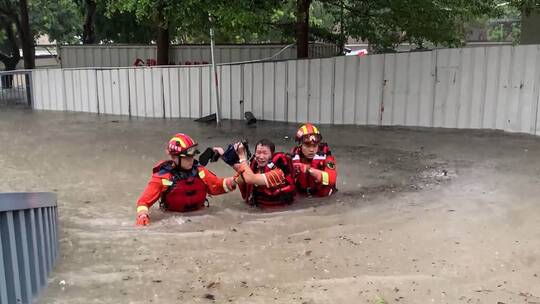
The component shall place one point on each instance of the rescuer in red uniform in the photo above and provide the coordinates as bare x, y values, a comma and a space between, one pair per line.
314, 166
180, 183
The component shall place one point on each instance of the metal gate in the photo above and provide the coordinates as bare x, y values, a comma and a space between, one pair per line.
16, 88
28, 244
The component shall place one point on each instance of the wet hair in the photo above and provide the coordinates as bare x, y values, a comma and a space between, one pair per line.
266, 143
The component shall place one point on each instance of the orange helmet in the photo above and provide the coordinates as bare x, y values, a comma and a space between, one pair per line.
308, 133
182, 145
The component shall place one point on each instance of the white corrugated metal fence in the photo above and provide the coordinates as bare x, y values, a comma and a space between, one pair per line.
485, 87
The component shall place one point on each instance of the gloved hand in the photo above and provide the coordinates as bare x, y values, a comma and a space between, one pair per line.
301, 167
206, 156
247, 153
230, 157
143, 219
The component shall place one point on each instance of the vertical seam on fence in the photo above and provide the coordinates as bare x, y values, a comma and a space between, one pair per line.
355, 85
64, 103
49, 100
407, 89
319, 118
31, 84
308, 89
242, 96
521, 85
333, 91
434, 86
381, 104
163, 92
262, 88
484, 90
296, 90
368, 87
498, 85
274, 91
510, 83
189, 92
394, 86
199, 69
537, 97
230, 88
179, 84
41, 90
286, 109
419, 90
469, 69
343, 91
129, 93
251, 87
97, 90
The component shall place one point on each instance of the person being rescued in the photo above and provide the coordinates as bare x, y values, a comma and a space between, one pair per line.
314, 166
267, 181
181, 183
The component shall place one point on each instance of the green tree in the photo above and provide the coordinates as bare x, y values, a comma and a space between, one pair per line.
386, 23
60, 20
23, 21
15, 14
187, 21
100, 25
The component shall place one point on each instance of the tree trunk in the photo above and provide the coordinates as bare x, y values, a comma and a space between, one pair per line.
89, 33
530, 27
302, 28
11, 59
163, 46
162, 38
27, 39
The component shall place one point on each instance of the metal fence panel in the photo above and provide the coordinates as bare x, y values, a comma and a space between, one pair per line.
225, 90
257, 94
339, 90
447, 88
171, 87
268, 90
24, 257
84, 56
28, 244
302, 90
314, 93
291, 90
327, 90
280, 97
185, 89
206, 91
195, 79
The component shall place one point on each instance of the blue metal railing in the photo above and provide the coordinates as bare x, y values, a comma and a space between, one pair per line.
28, 244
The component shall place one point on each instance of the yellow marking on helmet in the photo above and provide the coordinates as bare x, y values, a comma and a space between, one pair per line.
182, 143
315, 130
304, 128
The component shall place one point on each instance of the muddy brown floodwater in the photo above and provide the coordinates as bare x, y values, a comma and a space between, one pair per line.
421, 216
